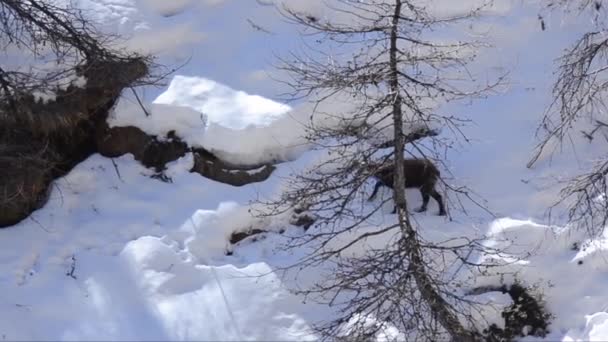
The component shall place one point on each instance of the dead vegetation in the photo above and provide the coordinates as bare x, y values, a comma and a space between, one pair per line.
49, 108
43, 140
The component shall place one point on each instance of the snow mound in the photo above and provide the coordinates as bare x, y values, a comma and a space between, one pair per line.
188, 124
199, 302
208, 231
596, 328
152, 254
221, 104
239, 128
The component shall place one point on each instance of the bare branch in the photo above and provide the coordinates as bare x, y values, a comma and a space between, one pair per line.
579, 106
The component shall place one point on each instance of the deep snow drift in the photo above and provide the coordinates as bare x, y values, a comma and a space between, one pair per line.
117, 255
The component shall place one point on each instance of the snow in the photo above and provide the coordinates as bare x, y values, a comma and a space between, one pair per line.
118, 255
44, 96
240, 128
595, 328
126, 241
221, 104
223, 296
567, 268
491, 306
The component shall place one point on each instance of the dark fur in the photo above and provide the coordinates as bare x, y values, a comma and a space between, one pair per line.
419, 173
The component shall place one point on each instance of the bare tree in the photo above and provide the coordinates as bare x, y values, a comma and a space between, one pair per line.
386, 67
579, 108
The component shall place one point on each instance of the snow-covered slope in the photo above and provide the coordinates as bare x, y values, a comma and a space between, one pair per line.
117, 255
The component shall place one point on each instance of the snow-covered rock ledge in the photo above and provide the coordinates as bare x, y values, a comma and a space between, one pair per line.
240, 129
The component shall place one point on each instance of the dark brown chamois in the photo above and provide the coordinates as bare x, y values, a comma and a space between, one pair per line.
419, 173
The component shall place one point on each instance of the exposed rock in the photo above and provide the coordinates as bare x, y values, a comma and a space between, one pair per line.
299, 219
151, 152
219, 171
302, 220
236, 237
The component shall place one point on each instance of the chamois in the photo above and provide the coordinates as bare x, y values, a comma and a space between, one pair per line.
419, 173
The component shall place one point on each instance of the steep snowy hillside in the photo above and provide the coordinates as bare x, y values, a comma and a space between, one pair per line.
119, 255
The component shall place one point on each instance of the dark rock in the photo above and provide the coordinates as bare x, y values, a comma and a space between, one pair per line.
303, 220
151, 152
221, 172
236, 237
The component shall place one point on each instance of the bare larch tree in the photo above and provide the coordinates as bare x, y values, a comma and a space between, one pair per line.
377, 73
579, 108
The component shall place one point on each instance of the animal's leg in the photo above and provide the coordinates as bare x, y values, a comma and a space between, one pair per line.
378, 185
439, 200
425, 199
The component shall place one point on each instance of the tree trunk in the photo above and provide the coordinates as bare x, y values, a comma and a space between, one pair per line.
438, 306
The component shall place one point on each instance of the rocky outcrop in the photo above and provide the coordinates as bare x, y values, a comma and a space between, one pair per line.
156, 152
217, 170
151, 151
